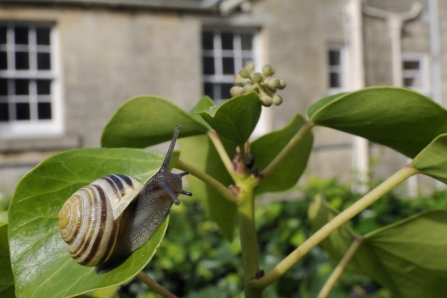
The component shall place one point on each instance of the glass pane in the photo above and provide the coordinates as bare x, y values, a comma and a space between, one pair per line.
409, 82
22, 111
4, 112
22, 60
3, 38
3, 87
334, 80
227, 41
43, 36
411, 64
43, 87
21, 35
247, 41
207, 40
22, 87
334, 57
3, 60
44, 110
208, 89
228, 65
225, 90
208, 65
43, 61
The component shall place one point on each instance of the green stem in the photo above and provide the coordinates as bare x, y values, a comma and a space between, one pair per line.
334, 224
219, 187
294, 141
212, 134
340, 267
156, 287
249, 242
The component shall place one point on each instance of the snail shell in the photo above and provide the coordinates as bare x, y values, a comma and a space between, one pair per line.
109, 219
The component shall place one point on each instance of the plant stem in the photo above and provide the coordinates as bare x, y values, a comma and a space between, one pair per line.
219, 187
287, 149
340, 267
249, 242
334, 224
156, 287
212, 134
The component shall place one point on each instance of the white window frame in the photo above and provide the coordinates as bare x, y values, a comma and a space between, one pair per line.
423, 73
35, 127
341, 69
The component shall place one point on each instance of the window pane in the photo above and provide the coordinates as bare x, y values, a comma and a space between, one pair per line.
247, 41
334, 57
3, 35
22, 87
3, 60
4, 112
43, 61
411, 64
225, 90
3, 87
44, 110
43, 36
334, 80
208, 65
207, 40
22, 60
208, 89
228, 65
21, 35
43, 87
409, 82
227, 41
22, 111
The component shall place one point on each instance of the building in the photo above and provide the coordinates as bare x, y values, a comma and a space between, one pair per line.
66, 66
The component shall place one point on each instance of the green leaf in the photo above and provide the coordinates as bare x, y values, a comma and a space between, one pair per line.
323, 102
236, 118
3, 217
200, 152
6, 277
267, 147
398, 118
408, 257
41, 264
204, 104
148, 120
432, 161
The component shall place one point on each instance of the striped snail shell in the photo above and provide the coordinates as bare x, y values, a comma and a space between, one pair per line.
107, 220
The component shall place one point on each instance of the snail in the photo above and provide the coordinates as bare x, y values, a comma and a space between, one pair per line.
106, 221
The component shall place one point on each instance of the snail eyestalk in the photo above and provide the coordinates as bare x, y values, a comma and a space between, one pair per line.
174, 198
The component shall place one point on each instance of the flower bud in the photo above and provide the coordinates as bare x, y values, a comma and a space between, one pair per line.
266, 100
238, 80
244, 73
236, 90
277, 100
258, 77
268, 71
274, 83
282, 84
249, 88
250, 66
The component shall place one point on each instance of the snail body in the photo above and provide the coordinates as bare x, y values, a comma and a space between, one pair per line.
109, 219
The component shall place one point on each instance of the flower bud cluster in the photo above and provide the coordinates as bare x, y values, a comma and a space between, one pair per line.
264, 83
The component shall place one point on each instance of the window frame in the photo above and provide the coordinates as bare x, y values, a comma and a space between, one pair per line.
34, 127
341, 69
423, 72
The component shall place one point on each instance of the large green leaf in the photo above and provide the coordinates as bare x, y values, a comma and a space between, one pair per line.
148, 120
200, 152
204, 103
398, 118
432, 161
6, 277
408, 257
236, 118
267, 147
41, 264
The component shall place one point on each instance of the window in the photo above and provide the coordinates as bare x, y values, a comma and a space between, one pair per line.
28, 80
224, 54
415, 74
337, 69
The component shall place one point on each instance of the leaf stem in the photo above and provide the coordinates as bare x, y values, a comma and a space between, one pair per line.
334, 224
219, 187
326, 289
155, 286
294, 141
212, 134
